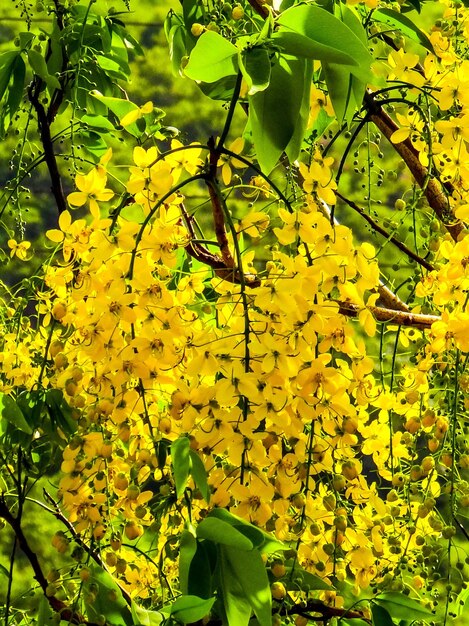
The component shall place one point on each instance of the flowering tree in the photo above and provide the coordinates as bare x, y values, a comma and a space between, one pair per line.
242, 359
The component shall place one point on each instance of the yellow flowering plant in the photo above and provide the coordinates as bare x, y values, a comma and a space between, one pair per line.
254, 413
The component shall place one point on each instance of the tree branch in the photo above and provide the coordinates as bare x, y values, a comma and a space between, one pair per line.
401, 318
379, 229
435, 193
46, 140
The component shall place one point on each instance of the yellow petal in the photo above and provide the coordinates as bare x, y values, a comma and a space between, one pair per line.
131, 117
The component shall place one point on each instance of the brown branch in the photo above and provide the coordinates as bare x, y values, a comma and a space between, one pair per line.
76, 537
401, 318
325, 611
435, 193
47, 144
389, 300
259, 7
201, 254
66, 613
382, 231
217, 209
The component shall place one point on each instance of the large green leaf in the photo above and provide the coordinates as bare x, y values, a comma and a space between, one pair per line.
7, 62
221, 532
212, 58
293, 148
15, 91
250, 571
313, 581
39, 67
144, 617
400, 606
203, 564
299, 45
404, 25
237, 606
260, 539
11, 412
273, 113
107, 600
199, 474
181, 462
322, 27
187, 550
45, 615
189, 609
340, 85
254, 64
380, 616
120, 108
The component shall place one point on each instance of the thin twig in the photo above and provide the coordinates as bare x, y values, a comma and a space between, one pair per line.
382, 231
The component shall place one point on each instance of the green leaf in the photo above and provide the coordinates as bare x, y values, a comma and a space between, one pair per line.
296, 44
199, 474
134, 213
400, 606
113, 65
273, 113
181, 462
175, 35
187, 550
340, 85
188, 609
403, 24
415, 4
119, 107
25, 38
45, 615
11, 411
97, 121
143, 617
237, 606
260, 539
39, 67
201, 569
322, 27
293, 148
462, 601
250, 571
108, 599
312, 580
254, 63
223, 533
380, 616
7, 61
15, 92
4, 571
212, 58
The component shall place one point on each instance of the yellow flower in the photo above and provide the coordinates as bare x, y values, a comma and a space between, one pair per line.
20, 250
92, 188
227, 161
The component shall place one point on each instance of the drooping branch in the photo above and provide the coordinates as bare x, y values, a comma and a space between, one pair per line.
199, 252
259, 7
47, 144
76, 537
66, 613
382, 231
401, 318
435, 193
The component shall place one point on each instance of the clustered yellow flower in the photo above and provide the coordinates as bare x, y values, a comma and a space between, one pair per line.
273, 387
